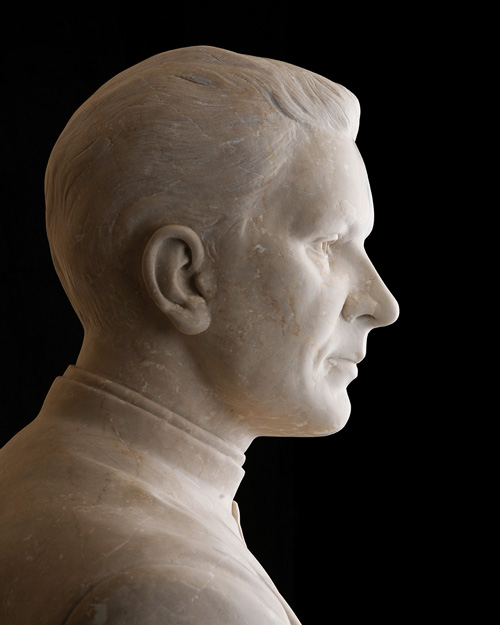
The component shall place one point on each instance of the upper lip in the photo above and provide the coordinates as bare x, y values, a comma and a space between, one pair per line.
355, 360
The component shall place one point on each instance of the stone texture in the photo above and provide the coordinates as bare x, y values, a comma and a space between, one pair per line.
206, 213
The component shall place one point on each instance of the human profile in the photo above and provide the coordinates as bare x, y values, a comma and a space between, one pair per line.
206, 213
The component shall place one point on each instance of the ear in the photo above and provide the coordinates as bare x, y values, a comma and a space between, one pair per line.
171, 265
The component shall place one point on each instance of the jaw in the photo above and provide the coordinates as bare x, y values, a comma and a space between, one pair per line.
299, 410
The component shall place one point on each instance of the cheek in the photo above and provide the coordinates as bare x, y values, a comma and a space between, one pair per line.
292, 305
271, 314
254, 335
316, 303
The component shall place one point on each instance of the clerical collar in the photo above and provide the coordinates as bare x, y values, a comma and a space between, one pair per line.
172, 439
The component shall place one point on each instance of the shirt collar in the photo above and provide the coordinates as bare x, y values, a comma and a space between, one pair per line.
158, 436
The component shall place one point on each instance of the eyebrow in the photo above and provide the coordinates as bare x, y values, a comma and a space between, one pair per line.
350, 219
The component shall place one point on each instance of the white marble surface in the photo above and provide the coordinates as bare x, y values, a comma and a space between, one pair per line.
207, 213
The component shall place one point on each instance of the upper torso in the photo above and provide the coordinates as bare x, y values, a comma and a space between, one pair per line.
82, 506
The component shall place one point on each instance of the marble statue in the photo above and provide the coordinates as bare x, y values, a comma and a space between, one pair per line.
206, 213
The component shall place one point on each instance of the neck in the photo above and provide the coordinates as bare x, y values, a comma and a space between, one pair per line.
165, 373
151, 434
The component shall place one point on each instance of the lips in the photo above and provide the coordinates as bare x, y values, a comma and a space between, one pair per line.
334, 359
335, 363
343, 370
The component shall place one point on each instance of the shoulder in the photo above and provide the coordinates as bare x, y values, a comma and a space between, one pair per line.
177, 595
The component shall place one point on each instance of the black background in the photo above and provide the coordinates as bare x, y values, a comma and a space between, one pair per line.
343, 524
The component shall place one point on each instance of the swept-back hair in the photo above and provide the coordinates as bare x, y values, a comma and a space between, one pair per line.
188, 136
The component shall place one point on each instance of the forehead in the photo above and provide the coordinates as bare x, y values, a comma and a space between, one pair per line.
325, 189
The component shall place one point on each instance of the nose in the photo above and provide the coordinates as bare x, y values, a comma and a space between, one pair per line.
371, 300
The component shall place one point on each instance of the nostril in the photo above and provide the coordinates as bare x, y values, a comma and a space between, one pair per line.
372, 302
359, 304
367, 319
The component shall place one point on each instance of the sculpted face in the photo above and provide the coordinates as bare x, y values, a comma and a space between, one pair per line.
297, 295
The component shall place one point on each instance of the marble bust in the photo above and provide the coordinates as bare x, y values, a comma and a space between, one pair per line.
206, 213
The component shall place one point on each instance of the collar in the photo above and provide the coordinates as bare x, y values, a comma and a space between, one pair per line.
161, 440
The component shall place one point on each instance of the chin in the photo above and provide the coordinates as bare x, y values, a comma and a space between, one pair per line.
334, 425
326, 419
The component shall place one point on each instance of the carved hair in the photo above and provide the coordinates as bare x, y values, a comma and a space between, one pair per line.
189, 136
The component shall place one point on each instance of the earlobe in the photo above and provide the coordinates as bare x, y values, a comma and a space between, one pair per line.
171, 263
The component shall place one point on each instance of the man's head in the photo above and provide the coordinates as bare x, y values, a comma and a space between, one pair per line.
221, 198
191, 136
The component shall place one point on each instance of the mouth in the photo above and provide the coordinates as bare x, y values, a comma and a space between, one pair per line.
341, 364
345, 367
334, 360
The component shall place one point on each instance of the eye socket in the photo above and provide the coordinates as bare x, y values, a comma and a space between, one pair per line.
322, 247
325, 245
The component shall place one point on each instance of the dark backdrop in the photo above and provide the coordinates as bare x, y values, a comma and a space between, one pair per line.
336, 521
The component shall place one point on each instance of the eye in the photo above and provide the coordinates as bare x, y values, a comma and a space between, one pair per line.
321, 248
325, 245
